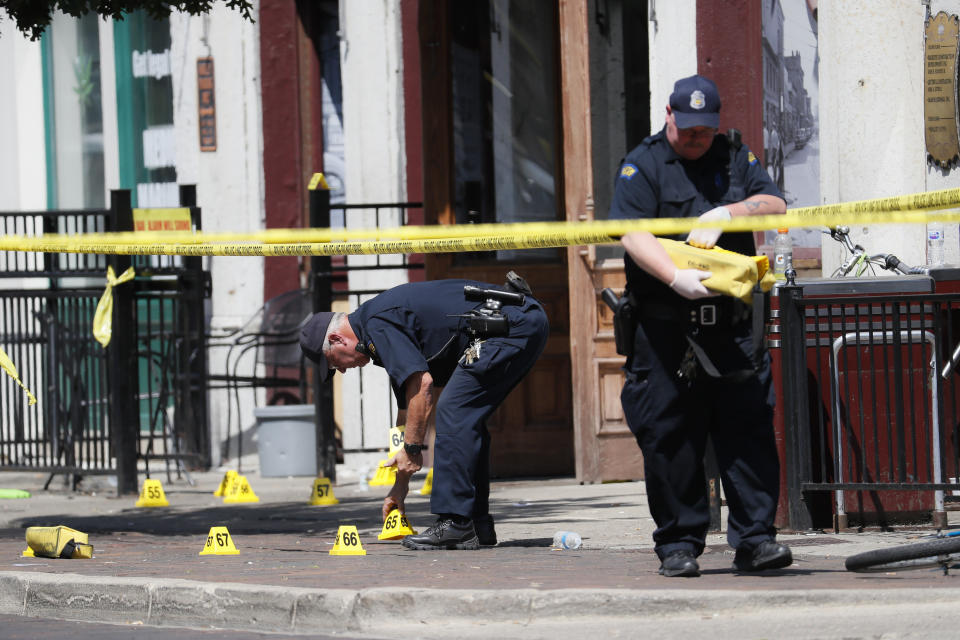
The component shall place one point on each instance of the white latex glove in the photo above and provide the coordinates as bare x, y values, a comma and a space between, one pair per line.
707, 238
687, 282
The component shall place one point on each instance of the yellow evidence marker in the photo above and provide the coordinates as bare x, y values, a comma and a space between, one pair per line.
219, 543
427, 487
240, 491
322, 492
396, 526
152, 495
396, 439
225, 483
385, 476
348, 542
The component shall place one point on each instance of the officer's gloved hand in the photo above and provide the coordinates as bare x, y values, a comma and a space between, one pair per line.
707, 238
687, 282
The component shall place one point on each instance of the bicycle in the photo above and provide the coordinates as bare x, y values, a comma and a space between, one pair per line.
943, 552
860, 261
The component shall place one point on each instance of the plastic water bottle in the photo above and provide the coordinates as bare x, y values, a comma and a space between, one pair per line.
782, 254
566, 540
934, 244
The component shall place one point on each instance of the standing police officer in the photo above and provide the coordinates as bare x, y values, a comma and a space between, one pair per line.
695, 369
428, 335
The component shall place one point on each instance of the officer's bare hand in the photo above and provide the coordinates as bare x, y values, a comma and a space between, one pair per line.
707, 238
398, 493
405, 463
687, 282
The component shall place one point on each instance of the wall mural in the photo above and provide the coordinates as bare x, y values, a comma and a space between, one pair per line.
791, 107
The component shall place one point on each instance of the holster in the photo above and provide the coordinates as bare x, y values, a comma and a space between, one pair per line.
625, 319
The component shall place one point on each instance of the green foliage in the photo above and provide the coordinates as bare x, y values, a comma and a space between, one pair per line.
83, 72
33, 16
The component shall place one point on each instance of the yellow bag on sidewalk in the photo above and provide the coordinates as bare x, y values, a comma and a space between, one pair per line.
58, 542
734, 274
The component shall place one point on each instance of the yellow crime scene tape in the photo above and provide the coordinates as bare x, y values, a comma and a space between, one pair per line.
908, 209
6, 364
301, 242
103, 316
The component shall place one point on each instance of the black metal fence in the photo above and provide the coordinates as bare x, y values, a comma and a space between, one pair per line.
46, 327
871, 406
100, 410
49, 337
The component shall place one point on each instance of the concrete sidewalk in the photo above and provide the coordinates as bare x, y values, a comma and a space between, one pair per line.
147, 568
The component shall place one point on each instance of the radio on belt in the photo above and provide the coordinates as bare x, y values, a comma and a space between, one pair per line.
488, 321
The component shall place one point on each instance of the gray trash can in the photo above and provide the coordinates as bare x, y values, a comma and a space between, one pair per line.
287, 440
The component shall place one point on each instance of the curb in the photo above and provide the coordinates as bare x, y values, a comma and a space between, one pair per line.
184, 603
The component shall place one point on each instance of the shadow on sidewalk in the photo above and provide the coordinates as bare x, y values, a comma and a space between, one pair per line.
299, 517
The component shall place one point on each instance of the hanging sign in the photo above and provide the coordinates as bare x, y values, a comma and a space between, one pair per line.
206, 106
162, 219
940, 90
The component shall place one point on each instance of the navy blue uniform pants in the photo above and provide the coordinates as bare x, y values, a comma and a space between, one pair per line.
671, 421
461, 467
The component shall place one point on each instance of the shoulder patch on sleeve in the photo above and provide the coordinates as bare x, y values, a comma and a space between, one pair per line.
752, 159
628, 171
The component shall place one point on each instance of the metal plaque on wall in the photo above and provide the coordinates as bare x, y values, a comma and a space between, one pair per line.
940, 90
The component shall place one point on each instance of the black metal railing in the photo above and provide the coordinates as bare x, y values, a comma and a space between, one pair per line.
93, 416
27, 264
371, 216
870, 405
48, 335
46, 327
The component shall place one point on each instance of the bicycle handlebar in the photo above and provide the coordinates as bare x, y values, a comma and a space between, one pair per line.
886, 261
893, 263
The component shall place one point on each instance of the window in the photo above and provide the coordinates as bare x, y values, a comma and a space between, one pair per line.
148, 164
74, 118
505, 116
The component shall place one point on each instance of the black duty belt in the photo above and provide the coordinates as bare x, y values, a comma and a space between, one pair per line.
705, 315
708, 313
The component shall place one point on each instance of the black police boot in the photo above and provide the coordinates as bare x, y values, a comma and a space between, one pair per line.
680, 564
769, 554
485, 532
445, 534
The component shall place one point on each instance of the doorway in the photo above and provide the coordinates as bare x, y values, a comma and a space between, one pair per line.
492, 153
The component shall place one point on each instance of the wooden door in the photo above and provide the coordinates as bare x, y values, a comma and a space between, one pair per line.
483, 113
605, 448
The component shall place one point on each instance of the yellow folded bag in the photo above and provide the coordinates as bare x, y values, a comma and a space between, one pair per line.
734, 274
58, 542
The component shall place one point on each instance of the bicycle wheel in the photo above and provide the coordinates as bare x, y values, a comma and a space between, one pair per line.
907, 556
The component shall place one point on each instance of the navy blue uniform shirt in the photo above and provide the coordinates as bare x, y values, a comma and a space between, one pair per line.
411, 328
655, 182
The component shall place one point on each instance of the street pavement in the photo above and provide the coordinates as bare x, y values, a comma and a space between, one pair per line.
146, 568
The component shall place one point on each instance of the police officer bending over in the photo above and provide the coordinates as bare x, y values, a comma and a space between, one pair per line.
474, 340
694, 368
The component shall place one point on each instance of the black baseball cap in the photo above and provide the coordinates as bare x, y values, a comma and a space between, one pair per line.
311, 341
695, 102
